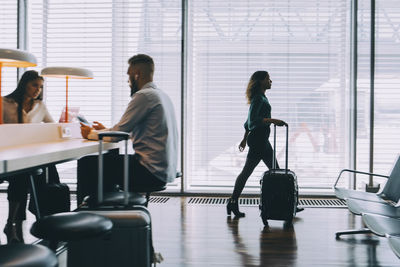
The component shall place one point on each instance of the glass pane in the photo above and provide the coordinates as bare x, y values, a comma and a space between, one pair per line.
387, 84
363, 90
304, 45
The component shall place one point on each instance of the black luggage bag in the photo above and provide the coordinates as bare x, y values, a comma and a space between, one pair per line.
279, 190
53, 196
130, 241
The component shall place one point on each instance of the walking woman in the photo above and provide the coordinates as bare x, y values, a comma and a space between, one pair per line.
257, 133
23, 105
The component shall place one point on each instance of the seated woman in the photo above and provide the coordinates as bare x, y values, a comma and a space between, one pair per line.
23, 105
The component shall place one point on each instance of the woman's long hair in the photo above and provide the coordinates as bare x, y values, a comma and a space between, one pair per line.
254, 86
18, 94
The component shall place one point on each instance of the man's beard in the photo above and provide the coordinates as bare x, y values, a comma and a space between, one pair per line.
133, 87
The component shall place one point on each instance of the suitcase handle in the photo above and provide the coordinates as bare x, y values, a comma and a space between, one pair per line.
125, 136
287, 148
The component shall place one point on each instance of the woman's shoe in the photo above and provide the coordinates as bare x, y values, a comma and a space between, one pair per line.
20, 234
11, 232
233, 206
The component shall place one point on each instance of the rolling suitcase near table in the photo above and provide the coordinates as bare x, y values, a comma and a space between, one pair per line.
129, 243
279, 190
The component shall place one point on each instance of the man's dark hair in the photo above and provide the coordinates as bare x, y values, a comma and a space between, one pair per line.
142, 59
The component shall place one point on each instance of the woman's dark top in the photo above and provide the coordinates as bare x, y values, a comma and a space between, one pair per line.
259, 131
259, 109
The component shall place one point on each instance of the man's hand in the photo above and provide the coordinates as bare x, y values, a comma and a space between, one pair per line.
242, 145
98, 126
85, 130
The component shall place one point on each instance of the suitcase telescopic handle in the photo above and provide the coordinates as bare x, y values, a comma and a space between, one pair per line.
125, 136
287, 148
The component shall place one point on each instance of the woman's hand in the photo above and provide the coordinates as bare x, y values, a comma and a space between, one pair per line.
242, 145
98, 126
279, 122
275, 121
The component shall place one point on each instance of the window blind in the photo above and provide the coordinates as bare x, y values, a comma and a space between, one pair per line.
387, 84
76, 34
387, 97
8, 33
150, 27
102, 36
304, 45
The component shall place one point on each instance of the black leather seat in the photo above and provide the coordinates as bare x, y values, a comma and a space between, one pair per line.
70, 226
24, 255
116, 199
150, 189
153, 188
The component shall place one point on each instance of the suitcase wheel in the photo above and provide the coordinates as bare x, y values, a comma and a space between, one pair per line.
288, 224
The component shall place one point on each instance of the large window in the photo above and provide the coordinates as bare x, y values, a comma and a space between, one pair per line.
304, 47
387, 95
102, 36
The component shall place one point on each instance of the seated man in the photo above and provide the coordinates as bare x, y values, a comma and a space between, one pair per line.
150, 119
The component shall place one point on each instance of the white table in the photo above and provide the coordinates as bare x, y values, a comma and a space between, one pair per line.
29, 145
25, 147
18, 158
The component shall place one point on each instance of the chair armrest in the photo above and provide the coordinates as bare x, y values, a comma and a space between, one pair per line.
354, 171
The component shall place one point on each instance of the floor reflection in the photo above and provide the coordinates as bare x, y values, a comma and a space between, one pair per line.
272, 251
369, 243
240, 246
278, 245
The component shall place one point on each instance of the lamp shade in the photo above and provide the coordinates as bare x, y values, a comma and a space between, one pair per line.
70, 72
67, 73
16, 58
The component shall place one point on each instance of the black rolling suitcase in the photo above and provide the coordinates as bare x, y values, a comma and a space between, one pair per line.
130, 242
279, 190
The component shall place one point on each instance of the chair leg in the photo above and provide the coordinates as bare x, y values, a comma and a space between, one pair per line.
34, 196
353, 232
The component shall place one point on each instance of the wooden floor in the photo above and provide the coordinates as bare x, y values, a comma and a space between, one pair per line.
202, 235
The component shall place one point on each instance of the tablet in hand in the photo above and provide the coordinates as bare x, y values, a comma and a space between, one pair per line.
82, 119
